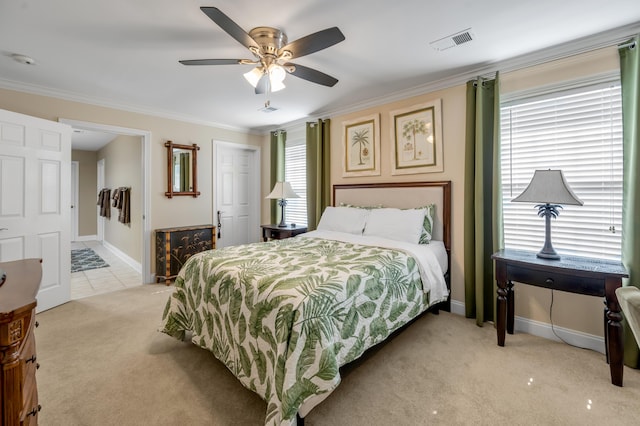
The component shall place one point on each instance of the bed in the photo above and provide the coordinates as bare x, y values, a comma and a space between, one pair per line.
285, 315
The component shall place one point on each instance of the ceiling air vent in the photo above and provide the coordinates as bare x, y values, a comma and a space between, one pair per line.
453, 40
267, 108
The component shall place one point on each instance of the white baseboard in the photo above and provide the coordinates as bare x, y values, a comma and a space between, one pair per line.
542, 329
87, 238
128, 260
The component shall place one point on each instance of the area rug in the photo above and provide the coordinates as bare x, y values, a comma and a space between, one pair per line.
85, 259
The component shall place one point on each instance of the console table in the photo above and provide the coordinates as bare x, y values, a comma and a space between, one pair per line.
592, 277
276, 232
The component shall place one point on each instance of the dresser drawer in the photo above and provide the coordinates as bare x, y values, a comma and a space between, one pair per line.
566, 282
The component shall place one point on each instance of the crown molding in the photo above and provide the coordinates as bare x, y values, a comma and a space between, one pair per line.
74, 97
575, 47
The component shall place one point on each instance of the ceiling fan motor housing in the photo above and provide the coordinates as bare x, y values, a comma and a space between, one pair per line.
269, 39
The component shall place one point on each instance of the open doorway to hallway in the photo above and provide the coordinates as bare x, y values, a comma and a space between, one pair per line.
120, 243
117, 275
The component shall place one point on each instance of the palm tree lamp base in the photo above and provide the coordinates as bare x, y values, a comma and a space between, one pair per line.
282, 202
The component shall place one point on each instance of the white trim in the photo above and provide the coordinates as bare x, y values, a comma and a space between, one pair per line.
123, 256
572, 48
573, 337
542, 329
100, 166
75, 182
146, 183
256, 202
106, 103
87, 238
603, 79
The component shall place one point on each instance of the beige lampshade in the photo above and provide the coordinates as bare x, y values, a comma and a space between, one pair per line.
548, 186
282, 190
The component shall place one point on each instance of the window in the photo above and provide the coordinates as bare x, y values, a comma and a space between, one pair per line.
579, 132
295, 172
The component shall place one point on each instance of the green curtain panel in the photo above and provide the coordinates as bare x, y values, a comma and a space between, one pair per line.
278, 138
318, 171
185, 172
483, 233
630, 81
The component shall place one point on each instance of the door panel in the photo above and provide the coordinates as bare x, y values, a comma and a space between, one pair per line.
236, 194
35, 179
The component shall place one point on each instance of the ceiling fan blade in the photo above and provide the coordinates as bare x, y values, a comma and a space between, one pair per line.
310, 74
314, 42
211, 62
263, 84
230, 27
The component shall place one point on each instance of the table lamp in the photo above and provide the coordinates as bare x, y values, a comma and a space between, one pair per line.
550, 189
281, 191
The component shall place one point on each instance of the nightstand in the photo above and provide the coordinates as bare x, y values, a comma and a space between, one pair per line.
275, 232
581, 275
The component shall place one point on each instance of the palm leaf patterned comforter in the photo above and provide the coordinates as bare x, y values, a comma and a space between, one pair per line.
284, 315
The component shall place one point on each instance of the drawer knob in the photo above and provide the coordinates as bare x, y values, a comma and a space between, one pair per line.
32, 359
37, 324
549, 281
37, 365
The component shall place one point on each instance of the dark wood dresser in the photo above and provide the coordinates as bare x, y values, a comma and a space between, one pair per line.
175, 245
18, 391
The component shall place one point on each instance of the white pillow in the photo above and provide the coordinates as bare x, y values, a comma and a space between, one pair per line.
395, 224
343, 219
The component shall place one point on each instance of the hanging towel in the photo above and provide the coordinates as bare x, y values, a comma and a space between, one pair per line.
121, 201
104, 198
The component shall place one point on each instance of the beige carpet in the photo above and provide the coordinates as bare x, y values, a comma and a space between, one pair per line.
102, 362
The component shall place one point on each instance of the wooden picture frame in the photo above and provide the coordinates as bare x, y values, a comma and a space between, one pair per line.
416, 137
361, 147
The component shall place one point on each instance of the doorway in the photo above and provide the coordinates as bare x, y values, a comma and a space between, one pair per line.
145, 228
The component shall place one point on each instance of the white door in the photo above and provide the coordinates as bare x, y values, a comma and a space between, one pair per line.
237, 194
35, 187
74, 200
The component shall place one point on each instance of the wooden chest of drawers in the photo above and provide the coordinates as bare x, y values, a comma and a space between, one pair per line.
175, 245
18, 391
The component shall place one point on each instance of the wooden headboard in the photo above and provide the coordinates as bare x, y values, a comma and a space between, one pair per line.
403, 195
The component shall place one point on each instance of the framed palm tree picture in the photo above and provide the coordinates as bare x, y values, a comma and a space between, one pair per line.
416, 135
361, 144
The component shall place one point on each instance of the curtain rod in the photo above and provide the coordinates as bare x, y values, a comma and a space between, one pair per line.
630, 45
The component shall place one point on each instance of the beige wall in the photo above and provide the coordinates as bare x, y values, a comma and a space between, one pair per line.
453, 132
87, 194
122, 168
576, 312
165, 212
453, 114
572, 311
581, 313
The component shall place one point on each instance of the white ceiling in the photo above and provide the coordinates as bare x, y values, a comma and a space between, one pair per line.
124, 53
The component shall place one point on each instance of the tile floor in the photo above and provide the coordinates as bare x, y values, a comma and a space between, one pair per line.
117, 276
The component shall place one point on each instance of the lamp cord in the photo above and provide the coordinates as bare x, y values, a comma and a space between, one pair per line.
553, 329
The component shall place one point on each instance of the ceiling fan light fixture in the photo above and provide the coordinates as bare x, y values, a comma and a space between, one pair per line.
276, 85
254, 76
276, 73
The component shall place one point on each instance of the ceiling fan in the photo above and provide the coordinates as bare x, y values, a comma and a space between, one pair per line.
272, 53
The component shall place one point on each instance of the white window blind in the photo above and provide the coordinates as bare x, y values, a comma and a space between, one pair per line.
295, 172
579, 132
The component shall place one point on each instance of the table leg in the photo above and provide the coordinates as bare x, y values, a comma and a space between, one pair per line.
613, 332
606, 331
510, 307
501, 302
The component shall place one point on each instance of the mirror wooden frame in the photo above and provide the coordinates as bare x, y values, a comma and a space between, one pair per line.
170, 172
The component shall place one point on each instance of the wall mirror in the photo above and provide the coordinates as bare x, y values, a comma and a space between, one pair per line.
182, 170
